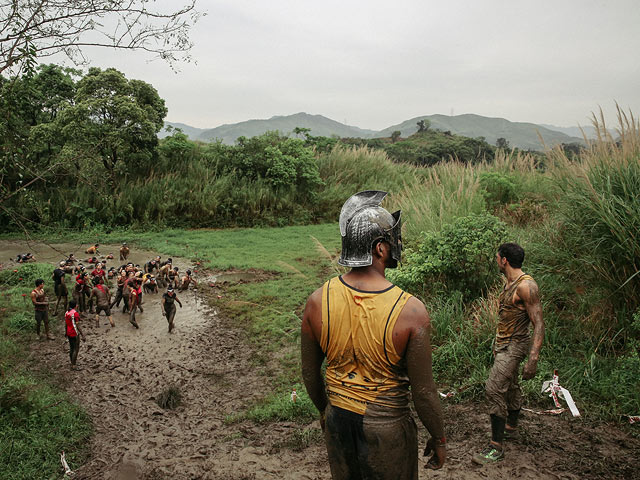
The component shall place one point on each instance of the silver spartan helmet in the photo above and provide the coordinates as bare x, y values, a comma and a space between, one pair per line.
362, 223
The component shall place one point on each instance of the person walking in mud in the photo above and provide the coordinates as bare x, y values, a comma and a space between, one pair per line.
122, 277
124, 252
134, 303
519, 306
376, 340
163, 273
103, 299
59, 285
130, 279
41, 307
72, 320
173, 278
77, 293
151, 266
168, 306
187, 280
149, 283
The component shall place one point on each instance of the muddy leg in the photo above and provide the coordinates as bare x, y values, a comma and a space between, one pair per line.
38, 322
171, 313
132, 316
46, 326
55, 310
74, 357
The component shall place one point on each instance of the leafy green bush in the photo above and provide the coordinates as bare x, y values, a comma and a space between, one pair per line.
458, 257
498, 188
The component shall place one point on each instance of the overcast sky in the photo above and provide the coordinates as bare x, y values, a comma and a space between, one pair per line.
374, 64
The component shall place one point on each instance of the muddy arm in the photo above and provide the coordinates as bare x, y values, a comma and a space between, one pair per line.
312, 354
530, 295
423, 387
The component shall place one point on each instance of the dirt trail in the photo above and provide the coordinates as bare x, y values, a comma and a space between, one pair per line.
124, 369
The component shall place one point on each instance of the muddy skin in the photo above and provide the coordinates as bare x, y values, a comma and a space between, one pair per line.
425, 396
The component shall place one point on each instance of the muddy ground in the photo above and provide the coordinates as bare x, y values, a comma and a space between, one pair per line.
123, 370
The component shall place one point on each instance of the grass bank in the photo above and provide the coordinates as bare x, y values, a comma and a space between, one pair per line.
37, 419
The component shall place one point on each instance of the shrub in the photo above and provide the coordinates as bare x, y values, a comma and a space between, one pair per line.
458, 257
497, 188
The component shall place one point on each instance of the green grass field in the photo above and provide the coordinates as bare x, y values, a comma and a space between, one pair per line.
37, 420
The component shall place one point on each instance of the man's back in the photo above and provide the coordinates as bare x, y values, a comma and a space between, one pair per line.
363, 366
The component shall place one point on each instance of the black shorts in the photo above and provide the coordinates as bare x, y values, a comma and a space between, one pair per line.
103, 308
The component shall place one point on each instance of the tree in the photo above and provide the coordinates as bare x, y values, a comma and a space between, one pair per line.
395, 136
25, 103
31, 29
302, 132
423, 125
115, 120
502, 143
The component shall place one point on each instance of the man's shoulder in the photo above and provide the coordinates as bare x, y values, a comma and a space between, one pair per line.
414, 313
316, 297
528, 289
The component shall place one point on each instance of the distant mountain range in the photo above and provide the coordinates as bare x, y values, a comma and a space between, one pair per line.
518, 134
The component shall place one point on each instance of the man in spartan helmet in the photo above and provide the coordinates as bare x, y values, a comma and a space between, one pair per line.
376, 339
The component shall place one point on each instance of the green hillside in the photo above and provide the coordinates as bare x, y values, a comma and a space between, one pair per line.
319, 125
518, 134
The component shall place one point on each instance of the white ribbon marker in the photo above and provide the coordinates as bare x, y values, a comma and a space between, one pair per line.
65, 465
555, 390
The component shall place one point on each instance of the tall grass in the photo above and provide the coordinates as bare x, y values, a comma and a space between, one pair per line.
601, 207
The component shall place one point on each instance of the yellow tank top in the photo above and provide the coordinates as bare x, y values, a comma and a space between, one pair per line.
363, 366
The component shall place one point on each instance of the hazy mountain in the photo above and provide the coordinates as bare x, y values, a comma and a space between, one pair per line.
319, 125
192, 132
589, 131
518, 134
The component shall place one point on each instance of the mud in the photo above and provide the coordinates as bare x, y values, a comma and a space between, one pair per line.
123, 370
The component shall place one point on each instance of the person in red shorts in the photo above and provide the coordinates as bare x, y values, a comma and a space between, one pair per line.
71, 319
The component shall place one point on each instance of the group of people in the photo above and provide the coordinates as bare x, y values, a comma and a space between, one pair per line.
375, 339
91, 288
